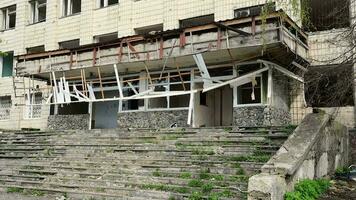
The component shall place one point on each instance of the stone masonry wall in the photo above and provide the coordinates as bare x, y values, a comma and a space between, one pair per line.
260, 116
153, 119
315, 149
353, 147
68, 122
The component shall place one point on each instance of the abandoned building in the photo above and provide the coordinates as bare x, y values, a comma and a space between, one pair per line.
106, 64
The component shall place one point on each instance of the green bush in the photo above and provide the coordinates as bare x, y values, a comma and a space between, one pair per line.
308, 190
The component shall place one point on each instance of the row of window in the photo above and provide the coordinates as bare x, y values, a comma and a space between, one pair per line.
39, 10
30, 111
70, 44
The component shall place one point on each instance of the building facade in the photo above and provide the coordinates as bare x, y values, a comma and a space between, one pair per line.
130, 63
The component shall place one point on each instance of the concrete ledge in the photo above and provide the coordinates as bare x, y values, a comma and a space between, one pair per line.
294, 151
315, 149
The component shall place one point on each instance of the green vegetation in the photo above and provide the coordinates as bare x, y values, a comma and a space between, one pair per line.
37, 193
32, 192
14, 190
289, 129
167, 188
202, 152
341, 171
195, 183
308, 190
185, 175
157, 173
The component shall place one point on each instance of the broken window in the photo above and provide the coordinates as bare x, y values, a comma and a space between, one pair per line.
9, 17
130, 89
149, 30
105, 37
39, 10
250, 93
71, 44
327, 15
171, 82
33, 106
253, 11
196, 21
105, 3
161, 86
71, 7
37, 49
5, 107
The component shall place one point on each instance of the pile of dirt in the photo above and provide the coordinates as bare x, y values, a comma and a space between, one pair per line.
341, 190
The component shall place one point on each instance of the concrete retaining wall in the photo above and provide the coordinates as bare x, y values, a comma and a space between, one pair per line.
315, 149
68, 122
153, 119
261, 115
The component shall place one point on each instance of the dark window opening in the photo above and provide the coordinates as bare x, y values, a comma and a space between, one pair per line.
71, 44
37, 49
149, 29
250, 93
203, 99
326, 15
105, 37
329, 86
196, 21
7, 64
71, 109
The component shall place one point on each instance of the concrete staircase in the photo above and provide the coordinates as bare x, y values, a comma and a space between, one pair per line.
136, 163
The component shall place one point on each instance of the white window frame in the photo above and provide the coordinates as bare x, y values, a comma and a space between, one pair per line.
6, 17
35, 6
5, 108
236, 104
32, 105
69, 5
106, 3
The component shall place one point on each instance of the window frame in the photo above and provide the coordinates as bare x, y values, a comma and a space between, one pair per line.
5, 109
261, 103
67, 8
6, 13
106, 3
29, 110
35, 6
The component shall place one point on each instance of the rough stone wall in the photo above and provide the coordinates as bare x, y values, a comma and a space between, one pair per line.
261, 115
153, 119
68, 122
353, 146
315, 149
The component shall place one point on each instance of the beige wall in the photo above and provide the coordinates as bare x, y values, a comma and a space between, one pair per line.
17, 119
122, 18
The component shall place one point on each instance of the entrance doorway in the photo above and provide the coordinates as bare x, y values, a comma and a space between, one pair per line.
214, 108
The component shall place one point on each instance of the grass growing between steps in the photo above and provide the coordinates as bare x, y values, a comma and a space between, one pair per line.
308, 190
31, 192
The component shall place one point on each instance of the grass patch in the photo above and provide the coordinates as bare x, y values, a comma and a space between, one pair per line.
34, 192
166, 188
185, 175
342, 171
202, 152
207, 187
157, 173
14, 190
308, 189
195, 183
